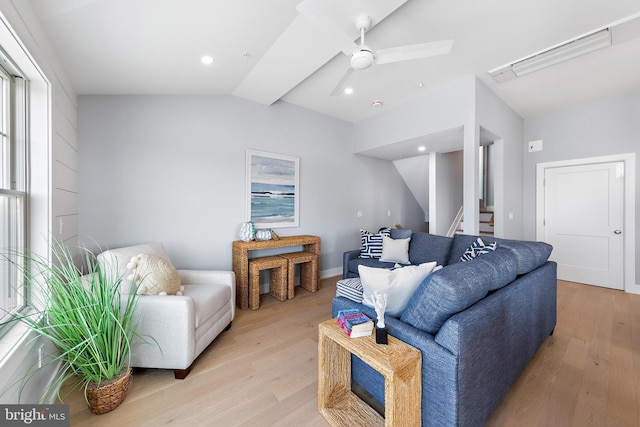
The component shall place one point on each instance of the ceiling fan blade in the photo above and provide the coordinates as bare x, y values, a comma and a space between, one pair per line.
414, 51
342, 84
316, 17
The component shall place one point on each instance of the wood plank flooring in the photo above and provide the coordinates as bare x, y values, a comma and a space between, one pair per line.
588, 372
263, 371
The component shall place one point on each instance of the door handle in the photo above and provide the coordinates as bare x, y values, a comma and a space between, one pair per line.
617, 232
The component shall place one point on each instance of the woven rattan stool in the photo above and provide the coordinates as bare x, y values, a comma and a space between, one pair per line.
277, 278
308, 271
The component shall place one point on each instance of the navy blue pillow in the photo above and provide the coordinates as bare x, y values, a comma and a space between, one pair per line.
401, 233
425, 247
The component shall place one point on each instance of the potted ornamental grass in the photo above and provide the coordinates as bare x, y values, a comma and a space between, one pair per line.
88, 320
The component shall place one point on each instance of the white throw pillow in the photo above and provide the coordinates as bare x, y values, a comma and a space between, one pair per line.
395, 250
398, 284
154, 275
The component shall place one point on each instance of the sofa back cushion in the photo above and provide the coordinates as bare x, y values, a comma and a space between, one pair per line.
528, 255
425, 247
114, 261
457, 287
502, 264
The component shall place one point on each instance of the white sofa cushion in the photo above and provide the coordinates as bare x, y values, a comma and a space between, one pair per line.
397, 284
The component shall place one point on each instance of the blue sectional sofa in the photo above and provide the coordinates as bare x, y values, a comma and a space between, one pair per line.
477, 323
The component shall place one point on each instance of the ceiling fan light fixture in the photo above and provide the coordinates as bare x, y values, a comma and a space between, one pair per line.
362, 59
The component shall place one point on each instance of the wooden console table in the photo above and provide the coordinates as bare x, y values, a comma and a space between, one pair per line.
399, 363
240, 259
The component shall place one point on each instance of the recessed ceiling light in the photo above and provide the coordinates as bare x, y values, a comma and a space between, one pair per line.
422, 148
377, 103
206, 59
420, 84
348, 90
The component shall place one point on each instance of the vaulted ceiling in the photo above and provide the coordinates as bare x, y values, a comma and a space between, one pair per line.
267, 51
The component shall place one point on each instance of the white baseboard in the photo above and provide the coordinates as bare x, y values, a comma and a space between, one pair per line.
331, 273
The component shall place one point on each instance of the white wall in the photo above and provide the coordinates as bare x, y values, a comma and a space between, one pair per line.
448, 188
172, 169
501, 120
603, 128
53, 184
415, 172
440, 110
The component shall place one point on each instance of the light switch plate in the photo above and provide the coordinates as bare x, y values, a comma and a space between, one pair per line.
535, 145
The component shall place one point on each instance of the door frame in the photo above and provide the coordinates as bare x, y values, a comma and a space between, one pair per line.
629, 246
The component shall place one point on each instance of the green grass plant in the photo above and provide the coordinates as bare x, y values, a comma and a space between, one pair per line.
84, 314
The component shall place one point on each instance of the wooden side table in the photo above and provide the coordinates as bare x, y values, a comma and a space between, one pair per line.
399, 363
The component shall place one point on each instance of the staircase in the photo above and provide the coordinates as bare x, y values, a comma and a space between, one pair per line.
486, 223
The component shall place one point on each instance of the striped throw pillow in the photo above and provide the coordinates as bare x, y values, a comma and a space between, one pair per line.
371, 243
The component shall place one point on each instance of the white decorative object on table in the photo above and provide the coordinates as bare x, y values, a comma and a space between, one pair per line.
247, 231
263, 234
380, 304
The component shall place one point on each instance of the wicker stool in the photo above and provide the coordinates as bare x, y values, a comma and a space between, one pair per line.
308, 271
277, 278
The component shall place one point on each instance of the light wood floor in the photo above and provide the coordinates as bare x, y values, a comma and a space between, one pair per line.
263, 372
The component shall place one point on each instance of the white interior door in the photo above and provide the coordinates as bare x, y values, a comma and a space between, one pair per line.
583, 220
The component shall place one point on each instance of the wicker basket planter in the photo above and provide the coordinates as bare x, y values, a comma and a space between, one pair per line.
107, 395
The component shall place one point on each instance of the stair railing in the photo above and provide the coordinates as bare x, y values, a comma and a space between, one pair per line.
456, 222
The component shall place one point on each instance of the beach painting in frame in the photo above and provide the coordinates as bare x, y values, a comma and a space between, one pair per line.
272, 189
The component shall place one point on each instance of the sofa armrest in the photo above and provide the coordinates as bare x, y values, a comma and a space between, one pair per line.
164, 341
197, 277
346, 257
206, 277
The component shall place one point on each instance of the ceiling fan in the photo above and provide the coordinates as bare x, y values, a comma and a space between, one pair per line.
362, 57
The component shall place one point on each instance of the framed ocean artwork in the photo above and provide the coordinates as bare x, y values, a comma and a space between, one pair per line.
273, 189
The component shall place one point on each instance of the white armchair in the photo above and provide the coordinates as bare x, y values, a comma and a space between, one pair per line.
174, 329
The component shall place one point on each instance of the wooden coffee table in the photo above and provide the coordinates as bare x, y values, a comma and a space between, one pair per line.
399, 363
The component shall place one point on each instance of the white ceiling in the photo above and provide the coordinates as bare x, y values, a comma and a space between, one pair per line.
154, 47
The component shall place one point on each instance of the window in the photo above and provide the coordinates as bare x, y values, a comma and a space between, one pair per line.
13, 188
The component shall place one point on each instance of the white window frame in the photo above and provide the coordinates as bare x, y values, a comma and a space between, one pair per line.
13, 190
18, 347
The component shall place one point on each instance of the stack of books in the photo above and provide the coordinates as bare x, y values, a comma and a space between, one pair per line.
355, 323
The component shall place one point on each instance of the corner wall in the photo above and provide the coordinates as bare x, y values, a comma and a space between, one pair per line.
469, 105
